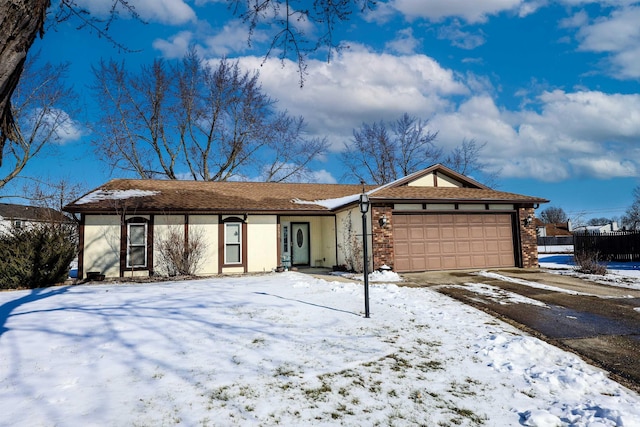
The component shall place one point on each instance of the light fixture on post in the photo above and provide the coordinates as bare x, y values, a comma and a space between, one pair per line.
364, 208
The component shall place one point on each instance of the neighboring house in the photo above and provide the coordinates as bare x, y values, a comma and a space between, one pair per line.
434, 219
597, 229
554, 229
24, 216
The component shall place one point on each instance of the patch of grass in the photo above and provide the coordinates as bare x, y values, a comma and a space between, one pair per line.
430, 365
463, 389
316, 393
221, 393
399, 363
468, 415
284, 371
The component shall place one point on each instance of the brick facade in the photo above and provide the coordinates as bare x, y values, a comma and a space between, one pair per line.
528, 238
382, 251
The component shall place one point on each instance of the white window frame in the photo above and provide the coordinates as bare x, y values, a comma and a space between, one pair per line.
235, 244
130, 245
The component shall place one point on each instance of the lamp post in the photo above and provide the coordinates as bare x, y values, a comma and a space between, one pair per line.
364, 208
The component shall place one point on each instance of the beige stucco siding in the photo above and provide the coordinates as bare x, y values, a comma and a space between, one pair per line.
351, 219
102, 244
445, 181
262, 243
322, 231
425, 181
206, 227
162, 226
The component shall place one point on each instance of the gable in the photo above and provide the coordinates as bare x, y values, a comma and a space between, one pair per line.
435, 179
436, 176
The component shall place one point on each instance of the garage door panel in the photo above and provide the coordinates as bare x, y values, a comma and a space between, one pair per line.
400, 233
462, 233
431, 233
453, 241
433, 248
417, 249
417, 233
448, 248
447, 232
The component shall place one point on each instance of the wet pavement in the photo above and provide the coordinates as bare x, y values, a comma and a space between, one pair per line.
601, 323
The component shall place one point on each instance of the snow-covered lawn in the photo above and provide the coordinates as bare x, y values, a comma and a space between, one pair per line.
620, 274
284, 349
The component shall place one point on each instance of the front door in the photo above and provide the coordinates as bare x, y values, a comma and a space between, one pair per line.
300, 243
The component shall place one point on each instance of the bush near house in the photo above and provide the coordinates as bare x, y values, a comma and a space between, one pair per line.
37, 256
589, 262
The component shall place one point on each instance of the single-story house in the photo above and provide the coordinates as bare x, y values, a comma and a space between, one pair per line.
597, 229
434, 219
554, 229
20, 216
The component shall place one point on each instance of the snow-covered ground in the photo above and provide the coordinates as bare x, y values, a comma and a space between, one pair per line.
284, 349
620, 274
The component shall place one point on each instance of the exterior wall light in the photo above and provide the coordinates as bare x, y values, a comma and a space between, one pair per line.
528, 220
383, 221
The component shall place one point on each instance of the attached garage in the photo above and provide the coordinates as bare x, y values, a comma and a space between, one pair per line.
447, 241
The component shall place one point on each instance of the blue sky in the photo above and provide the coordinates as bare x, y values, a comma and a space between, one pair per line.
552, 87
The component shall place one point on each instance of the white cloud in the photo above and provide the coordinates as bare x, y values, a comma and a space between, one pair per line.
232, 38
176, 46
471, 11
556, 135
619, 35
358, 86
404, 43
577, 20
53, 125
572, 134
171, 12
460, 38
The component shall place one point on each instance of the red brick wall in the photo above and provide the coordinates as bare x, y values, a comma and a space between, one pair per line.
528, 238
382, 251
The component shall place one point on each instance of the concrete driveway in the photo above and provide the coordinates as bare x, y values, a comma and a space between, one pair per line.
600, 323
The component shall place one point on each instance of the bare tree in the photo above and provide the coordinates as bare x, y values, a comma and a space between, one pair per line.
43, 107
20, 22
381, 155
52, 194
286, 20
190, 119
465, 159
631, 218
553, 215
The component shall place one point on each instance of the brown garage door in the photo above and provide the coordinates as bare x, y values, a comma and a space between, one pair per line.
452, 241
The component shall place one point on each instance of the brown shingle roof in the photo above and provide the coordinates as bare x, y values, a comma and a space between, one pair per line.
197, 196
452, 194
31, 213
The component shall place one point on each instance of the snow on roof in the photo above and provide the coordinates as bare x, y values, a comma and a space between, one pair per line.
99, 195
330, 203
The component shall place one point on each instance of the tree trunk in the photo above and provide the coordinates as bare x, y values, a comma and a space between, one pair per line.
20, 22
